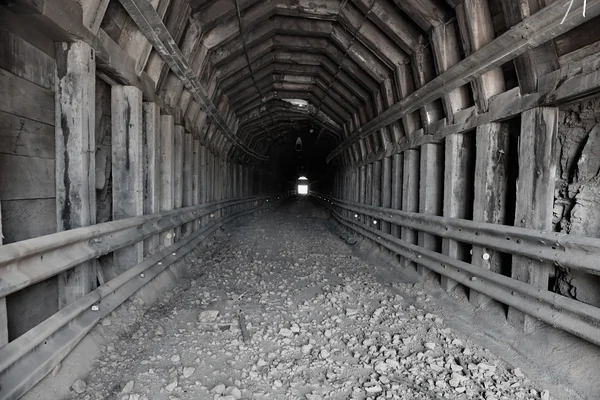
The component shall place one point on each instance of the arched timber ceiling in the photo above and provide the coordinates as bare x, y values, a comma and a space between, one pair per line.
341, 57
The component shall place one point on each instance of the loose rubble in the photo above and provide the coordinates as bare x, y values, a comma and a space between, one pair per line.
320, 327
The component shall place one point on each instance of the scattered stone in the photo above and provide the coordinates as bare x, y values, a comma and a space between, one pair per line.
429, 345
171, 386
128, 387
79, 386
106, 322
208, 316
188, 371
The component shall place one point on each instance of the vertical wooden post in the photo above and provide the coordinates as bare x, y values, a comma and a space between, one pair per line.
203, 183
167, 173
489, 198
489, 205
369, 192
127, 169
187, 186
376, 191
410, 194
431, 189
3, 316
458, 189
537, 160
151, 149
535, 196
178, 176
75, 161
362, 191
397, 174
386, 190
196, 179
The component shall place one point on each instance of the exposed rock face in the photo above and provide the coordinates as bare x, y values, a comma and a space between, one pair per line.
577, 202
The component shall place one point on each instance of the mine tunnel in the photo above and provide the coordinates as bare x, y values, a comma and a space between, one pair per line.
299, 199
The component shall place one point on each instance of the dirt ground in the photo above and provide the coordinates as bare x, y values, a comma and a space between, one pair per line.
318, 323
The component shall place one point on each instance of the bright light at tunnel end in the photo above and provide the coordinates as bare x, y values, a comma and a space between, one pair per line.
303, 189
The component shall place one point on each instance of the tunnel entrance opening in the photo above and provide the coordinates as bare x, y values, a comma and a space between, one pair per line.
302, 186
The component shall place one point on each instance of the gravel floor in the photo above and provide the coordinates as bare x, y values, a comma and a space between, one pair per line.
318, 325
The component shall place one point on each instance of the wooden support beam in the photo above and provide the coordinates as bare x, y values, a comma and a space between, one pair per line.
167, 173
196, 189
369, 191
537, 158
362, 189
127, 169
203, 179
178, 160
431, 187
376, 191
151, 136
458, 193
93, 13
75, 157
491, 160
541, 27
151, 24
489, 199
386, 190
535, 197
410, 194
397, 174
3, 315
188, 179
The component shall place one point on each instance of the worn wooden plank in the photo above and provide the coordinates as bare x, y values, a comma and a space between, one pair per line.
535, 196
167, 172
151, 146
458, 193
20, 97
30, 306
25, 137
376, 190
178, 161
93, 13
25, 219
397, 174
26, 61
489, 199
127, 168
196, 189
203, 180
188, 179
26, 177
410, 193
3, 316
431, 187
75, 157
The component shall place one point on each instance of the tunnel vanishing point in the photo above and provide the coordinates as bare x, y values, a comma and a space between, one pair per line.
459, 138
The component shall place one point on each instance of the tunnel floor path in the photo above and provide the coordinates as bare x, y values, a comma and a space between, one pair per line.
317, 325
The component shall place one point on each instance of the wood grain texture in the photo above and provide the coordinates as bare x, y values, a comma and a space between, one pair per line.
26, 177
3, 316
20, 97
410, 193
75, 157
151, 149
26, 61
127, 168
25, 137
167, 172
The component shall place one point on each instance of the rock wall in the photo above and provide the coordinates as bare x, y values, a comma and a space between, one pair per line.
577, 199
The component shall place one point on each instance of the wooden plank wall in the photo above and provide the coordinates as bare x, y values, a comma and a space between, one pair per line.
27, 191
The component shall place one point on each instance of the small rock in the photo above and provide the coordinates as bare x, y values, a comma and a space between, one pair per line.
429, 345
175, 359
79, 386
171, 386
106, 322
208, 316
286, 332
219, 389
545, 395
373, 389
188, 371
128, 387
